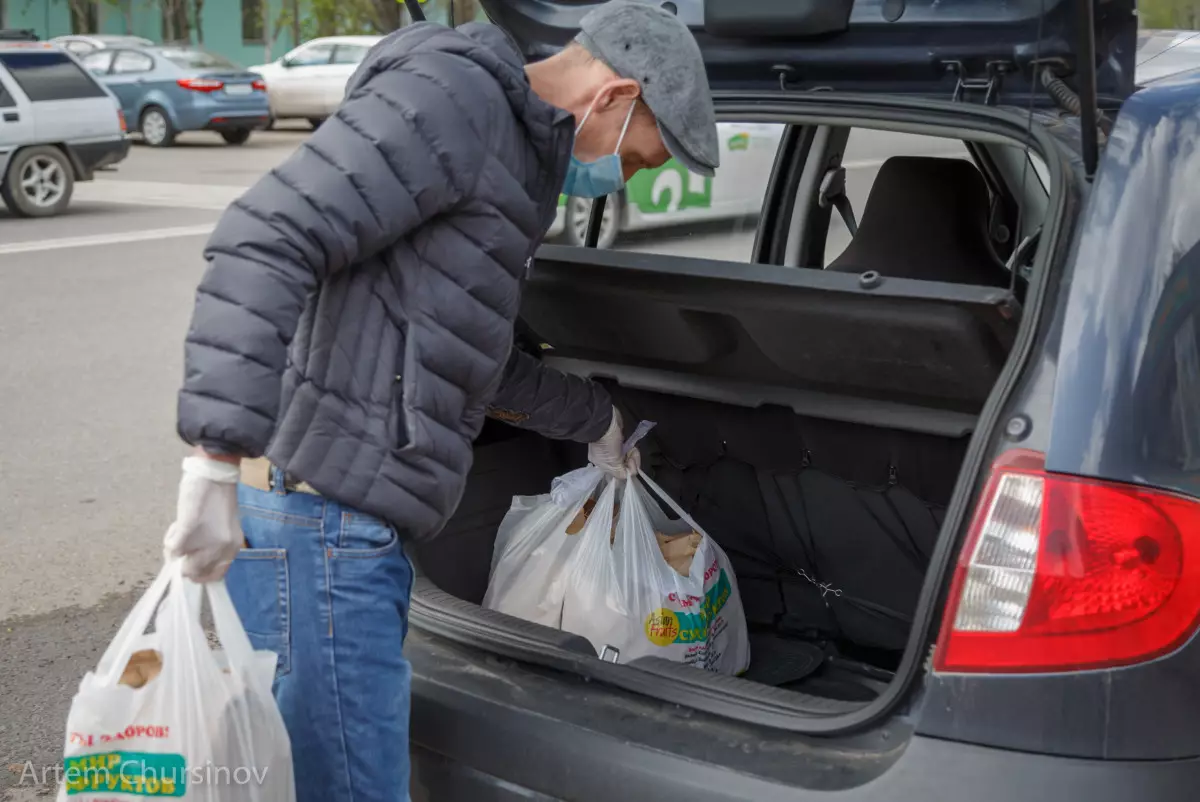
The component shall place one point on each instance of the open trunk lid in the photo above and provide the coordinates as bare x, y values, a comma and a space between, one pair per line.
915, 47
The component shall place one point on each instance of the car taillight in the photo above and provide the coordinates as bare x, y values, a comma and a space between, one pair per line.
1061, 573
201, 84
259, 85
121, 118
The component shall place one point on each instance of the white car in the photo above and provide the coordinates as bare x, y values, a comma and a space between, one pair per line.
670, 195
308, 83
82, 44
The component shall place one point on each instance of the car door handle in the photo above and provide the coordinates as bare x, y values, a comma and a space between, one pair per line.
12, 117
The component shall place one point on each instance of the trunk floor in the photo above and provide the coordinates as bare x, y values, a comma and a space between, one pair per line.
776, 660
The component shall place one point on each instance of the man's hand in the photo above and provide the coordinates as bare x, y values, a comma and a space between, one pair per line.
605, 453
206, 532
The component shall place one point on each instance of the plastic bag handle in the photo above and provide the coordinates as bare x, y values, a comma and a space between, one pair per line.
658, 491
123, 645
639, 433
226, 621
229, 627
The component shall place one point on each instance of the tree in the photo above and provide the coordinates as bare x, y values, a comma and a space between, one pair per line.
1182, 14
126, 9
332, 17
384, 15
271, 28
464, 11
177, 23
198, 20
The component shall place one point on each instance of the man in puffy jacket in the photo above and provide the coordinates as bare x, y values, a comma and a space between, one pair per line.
355, 326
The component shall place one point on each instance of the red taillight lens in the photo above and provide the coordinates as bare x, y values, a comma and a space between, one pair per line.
201, 84
124, 125
259, 85
1061, 573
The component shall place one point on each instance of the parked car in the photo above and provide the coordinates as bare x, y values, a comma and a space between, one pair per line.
670, 195
167, 90
956, 467
57, 126
309, 82
82, 44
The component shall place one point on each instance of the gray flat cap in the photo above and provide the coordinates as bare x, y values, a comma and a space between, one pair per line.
653, 46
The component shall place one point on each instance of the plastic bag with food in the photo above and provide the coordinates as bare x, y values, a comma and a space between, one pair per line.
632, 589
165, 715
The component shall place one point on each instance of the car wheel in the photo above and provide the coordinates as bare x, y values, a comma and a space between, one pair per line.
238, 136
315, 122
579, 212
156, 128
39, 182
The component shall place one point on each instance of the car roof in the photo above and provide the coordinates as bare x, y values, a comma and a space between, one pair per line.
343, 40
7, 45
104, 38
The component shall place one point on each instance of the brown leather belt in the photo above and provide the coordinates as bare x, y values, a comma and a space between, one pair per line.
256, 473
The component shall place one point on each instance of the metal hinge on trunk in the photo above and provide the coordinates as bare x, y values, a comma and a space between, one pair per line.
989, 85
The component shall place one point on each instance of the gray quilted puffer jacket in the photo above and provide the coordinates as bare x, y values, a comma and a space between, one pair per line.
355, 322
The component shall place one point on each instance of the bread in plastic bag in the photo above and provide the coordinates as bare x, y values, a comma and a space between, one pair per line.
533, 549
163, 715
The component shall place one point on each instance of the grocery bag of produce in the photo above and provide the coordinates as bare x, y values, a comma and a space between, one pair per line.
632, 590
164, 715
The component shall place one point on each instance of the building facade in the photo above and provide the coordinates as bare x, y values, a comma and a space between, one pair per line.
245, 31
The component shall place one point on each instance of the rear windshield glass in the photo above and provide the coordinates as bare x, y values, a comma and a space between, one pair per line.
199, 60
50, 76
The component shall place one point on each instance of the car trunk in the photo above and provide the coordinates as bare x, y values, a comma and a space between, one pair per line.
813, 427
829, 526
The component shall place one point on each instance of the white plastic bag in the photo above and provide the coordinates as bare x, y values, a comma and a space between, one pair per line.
533, 550
626, 597
204, 728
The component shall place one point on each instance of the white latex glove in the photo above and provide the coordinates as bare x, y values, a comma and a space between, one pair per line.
206, 532
605, 453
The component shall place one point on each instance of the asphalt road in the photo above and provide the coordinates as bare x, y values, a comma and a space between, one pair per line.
93, 308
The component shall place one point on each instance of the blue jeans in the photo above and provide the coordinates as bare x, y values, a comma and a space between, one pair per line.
327, 588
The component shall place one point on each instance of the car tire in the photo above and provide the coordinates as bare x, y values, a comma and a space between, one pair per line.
578, 213
238, 136
156, 128
39, 182
315, 122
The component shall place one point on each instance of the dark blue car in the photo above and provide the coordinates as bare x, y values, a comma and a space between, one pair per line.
167, 90
955, 460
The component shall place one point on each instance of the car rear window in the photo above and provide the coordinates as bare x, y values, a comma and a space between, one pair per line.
198, 60
50, 76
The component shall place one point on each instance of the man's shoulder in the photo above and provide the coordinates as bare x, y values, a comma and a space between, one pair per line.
479, 42
462, 58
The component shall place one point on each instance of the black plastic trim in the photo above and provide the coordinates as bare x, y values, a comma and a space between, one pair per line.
449, 617
848, 409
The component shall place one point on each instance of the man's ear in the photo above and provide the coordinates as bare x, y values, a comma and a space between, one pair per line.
619, 93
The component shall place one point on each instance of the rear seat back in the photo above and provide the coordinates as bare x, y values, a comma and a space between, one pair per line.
926, 218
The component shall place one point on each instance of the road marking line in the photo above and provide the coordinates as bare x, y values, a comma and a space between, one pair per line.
214, 197
106, 239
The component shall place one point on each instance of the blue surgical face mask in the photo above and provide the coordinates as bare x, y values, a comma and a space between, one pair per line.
602, 177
